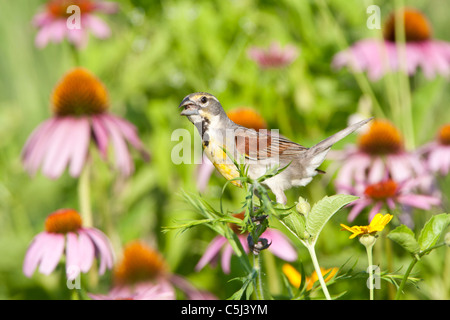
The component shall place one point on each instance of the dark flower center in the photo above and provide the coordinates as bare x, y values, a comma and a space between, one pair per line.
58, 8
139, 263
63, 221
382, 190
417, 27
444, 135
382, 138
79, 93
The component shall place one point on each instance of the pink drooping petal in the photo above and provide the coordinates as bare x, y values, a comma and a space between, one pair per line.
99, 28
42, 18
362, 163
35, 253
58, 30
377, 172
155, 291
162, 290
391, 203
129, 131
43, 37
280, 245
64, 154
439, 159
413, 57
358, 206
54, 250
211, 251
403, 166
376, 209
103, 249
440, 62
189, 290
58, 151
226, 258
419, 201
87, 250
36, 146
79, 37
80, 146
53, 30
100, 135
122, 155
72, 256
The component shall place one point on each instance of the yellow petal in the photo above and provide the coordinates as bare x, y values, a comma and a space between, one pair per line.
376, 219
292, 274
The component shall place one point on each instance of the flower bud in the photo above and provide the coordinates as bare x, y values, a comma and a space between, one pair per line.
303, 207
368, 240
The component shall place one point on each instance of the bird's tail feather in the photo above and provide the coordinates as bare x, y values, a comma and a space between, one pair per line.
328, 142
316, 154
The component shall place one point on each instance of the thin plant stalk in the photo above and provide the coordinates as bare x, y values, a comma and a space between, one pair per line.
84, 195
370, 261
416, 258
259, 285
312, 253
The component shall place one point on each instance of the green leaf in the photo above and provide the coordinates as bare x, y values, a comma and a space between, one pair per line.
323, 210
432, 230
405, 237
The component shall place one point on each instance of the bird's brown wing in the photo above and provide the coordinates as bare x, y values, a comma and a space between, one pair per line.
261, 145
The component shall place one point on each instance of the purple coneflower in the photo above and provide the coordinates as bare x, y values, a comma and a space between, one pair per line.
379, 57
243, 116
280, 246
273, 57
143, 274
64, 233
438, 152
390, 194
79, 104
52, 22
380, 152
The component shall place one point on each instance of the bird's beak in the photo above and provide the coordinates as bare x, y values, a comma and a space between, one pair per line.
190, 108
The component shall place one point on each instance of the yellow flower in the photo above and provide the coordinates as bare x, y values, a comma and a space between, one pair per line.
295, 277
377, 224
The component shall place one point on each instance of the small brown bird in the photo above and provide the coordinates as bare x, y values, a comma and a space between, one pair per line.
261, 150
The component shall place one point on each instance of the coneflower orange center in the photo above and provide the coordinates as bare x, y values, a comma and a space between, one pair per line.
140, 263
382, 138
63, 221
248, 118
382, 190
58, 8
444, 135
417, 27
79, 93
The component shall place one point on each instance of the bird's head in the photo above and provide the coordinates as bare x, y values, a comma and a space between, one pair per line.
200, 106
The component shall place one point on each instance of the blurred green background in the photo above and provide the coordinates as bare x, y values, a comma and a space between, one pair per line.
159, 52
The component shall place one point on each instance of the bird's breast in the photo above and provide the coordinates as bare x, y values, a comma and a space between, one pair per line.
214, 151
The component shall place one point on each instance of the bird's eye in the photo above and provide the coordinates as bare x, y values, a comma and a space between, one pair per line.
203, 99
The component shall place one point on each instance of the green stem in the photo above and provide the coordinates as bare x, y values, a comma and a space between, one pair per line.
84, 196
404, 87
312, 253
272, 275
405, 278
259, 286
369, 258
75, 55
411, 266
